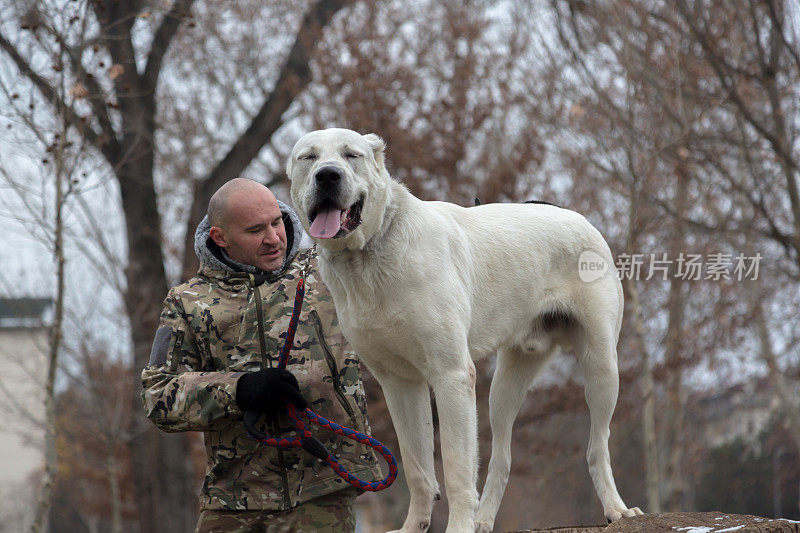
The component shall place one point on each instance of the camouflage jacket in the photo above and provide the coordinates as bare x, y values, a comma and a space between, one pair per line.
210, 337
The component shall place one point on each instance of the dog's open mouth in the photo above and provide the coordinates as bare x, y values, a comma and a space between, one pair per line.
330, 222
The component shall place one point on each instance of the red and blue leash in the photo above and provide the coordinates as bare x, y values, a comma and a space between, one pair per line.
307, 441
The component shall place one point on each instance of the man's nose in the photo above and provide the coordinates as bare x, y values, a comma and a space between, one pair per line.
328, 176
271, 237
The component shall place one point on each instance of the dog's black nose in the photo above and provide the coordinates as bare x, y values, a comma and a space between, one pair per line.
328, 175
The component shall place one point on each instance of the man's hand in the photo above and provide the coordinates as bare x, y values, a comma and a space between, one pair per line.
268, 391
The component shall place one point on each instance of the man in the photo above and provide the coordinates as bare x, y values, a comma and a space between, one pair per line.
214, 355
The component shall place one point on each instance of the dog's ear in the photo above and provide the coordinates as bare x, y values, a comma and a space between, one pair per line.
377, 145
289, 166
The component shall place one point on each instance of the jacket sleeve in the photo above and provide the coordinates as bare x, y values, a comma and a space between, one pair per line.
177, 393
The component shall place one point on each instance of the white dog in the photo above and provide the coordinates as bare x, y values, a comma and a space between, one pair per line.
423, 288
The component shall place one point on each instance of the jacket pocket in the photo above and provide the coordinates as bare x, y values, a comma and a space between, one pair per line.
175, 356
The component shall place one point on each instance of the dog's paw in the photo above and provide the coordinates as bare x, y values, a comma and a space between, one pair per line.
483, 527
484, 521
615, 514
418, 527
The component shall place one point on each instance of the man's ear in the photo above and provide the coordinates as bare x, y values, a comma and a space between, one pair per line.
218, 236
377, 145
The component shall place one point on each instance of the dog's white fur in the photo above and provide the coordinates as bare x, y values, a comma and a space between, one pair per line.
423, 288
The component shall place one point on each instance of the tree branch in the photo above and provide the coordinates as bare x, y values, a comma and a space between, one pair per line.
161, 40
732, 93
294, 77
778, 24
116, 20
96, 97
108, 147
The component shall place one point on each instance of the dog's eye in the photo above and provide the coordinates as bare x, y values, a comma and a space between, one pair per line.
308, 157
351, 155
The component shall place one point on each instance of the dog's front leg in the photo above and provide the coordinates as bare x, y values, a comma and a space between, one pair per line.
409, 403
454, 389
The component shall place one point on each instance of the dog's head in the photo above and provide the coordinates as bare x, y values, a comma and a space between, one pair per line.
339, 186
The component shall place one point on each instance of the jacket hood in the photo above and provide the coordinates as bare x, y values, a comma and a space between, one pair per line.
212, 256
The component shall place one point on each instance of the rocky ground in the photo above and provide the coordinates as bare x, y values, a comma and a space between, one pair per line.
713, 522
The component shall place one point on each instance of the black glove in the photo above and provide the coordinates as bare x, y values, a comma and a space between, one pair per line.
268, 391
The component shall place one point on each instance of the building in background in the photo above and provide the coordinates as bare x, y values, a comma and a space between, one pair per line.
23, 356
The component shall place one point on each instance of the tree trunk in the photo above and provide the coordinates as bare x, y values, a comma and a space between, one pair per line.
112, 471
675, 480
51, 466
649, 439
649, 436
789, 406
161, 461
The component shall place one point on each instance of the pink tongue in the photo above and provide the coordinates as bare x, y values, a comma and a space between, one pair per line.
326, 224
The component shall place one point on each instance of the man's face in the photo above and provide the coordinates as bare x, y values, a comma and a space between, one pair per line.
254, 233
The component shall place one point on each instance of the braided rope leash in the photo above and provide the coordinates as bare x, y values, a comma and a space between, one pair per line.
308, 442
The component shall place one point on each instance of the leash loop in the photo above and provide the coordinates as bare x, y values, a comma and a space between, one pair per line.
306, 440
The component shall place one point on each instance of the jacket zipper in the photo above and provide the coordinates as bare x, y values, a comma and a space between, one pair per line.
262, 342
337, 384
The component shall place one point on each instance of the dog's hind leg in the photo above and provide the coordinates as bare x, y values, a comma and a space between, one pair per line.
514, 373
409, 403
597, 354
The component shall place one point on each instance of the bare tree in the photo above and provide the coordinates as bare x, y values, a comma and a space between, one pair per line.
113, 106
754, 54
56, 333
711, 88
453, 104
93, 418
62, 161
649, 436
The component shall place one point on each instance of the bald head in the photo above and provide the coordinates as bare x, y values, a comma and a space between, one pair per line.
247, 222
219, 206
